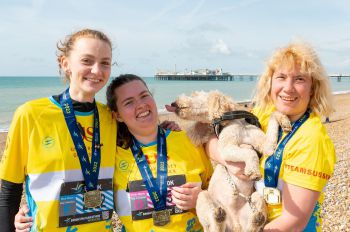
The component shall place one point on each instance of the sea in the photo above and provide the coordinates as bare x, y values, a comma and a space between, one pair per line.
16, 90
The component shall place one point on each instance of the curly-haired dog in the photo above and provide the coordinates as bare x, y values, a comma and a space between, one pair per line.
229, 204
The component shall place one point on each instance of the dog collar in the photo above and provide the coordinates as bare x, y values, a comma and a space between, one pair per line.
232, 115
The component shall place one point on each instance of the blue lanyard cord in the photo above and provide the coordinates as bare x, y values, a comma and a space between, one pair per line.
273, 163
89, 169
157, 189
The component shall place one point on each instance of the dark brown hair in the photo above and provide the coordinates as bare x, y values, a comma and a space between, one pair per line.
123, 133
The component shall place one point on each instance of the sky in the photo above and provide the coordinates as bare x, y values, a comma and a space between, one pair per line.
148, 36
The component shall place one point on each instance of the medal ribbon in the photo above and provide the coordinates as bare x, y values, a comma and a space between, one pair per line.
89, 169
157, 189
273, 163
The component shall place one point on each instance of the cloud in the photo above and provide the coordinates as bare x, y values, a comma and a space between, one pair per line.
220, 47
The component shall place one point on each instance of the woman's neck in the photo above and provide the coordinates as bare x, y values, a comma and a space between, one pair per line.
296, 117
80, 96
146, 137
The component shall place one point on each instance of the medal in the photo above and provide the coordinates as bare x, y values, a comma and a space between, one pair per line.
272, 196
161, 217
273, 163
90, 169
156, 187
92, 199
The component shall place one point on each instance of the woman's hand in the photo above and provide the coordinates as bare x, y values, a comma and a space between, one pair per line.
171, 125
185, 196
22, 222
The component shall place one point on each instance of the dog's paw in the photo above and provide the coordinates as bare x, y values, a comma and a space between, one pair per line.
286, 125
259, 219
269, 149
253, 175
283, 121
219, 214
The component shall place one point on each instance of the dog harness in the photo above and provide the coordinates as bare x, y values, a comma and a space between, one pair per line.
236, 191
232, 115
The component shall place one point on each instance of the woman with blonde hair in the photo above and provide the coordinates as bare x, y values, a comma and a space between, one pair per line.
63, 147
302, 56
296, 84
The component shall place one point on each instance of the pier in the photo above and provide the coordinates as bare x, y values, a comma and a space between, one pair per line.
205, 77
223, 77
339, 76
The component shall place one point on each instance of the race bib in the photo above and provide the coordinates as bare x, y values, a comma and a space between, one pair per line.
72, 207
141, 203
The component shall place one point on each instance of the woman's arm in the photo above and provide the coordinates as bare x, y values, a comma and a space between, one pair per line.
211, 149
10, 198
298, 205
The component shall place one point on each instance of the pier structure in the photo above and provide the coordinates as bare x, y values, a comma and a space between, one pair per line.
223, 77
218, 75
339, 77
203, 75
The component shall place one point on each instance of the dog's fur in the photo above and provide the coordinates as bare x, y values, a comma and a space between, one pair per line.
222, 207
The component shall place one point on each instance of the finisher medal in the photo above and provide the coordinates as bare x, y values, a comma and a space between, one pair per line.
161, 217
157, 188
90, 168
272, 196
273, 163
92, 199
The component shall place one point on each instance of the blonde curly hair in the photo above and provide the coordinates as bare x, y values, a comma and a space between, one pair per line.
297, 54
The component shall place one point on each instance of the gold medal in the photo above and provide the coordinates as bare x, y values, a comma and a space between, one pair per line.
161, 217
92, 199
272, 196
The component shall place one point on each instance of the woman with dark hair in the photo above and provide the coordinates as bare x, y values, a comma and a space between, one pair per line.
159, 172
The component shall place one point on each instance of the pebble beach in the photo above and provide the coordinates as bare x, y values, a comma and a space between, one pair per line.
336, 207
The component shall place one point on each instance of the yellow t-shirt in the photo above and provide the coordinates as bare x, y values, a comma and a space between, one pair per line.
40, 150
186, 163
308, 161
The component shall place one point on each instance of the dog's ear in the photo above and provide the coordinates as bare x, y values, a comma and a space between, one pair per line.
219, 104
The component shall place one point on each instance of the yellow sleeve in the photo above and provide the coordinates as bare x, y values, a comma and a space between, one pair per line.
14, 158
309, 161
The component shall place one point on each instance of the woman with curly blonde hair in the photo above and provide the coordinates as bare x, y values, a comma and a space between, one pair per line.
304, 56
296, 84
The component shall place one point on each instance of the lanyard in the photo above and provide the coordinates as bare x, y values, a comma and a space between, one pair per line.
273, 163
157, 190
89, 169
